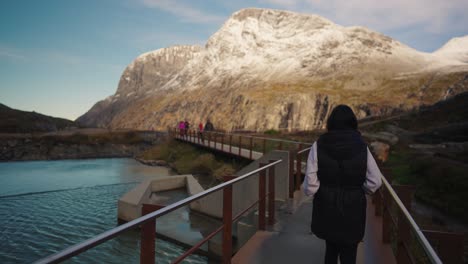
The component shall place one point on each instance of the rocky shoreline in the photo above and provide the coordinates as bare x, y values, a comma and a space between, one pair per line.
162, 163
30, 147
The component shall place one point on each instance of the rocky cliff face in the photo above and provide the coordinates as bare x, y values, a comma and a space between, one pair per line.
275, 69
141, 79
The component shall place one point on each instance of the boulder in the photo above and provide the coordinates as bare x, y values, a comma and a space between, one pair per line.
396, 130
380, 150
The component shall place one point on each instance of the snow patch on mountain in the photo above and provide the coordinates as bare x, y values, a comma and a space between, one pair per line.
455, 49
263, 45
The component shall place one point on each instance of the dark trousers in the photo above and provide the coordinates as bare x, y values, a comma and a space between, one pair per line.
346, 252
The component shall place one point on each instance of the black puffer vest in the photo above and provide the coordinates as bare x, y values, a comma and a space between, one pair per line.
339, 206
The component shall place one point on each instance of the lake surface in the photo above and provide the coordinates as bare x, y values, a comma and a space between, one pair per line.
47, 206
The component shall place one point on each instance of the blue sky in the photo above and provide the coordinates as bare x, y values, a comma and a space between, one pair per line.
60, 57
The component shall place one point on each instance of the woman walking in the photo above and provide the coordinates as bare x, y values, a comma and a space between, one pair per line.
340, 171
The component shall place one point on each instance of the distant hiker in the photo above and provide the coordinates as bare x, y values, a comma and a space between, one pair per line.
200, 132
340, 171
181, 128
209, 126
187, 126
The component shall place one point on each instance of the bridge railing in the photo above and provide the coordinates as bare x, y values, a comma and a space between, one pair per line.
399, 228
244, 141
410, 243
147, 222
237, 144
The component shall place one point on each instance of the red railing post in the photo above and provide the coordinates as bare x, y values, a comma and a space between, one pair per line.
222, 142
298, 168
403, 242
240, 145
227, 223
405, 193
148, 235
261, 198
386, 220
215, 135
377, 199
230, 143
271, 195
251, 147
291, 173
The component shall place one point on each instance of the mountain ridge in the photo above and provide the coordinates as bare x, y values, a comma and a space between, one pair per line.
264, 67
18, 121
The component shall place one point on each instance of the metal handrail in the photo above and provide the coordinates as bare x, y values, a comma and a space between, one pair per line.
433, 257
103, 237
267, 138
304, 150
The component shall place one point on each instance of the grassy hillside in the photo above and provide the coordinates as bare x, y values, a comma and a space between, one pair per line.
16, 121
439, 171
187, 159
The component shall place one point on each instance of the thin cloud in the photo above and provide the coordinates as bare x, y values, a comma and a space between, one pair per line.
435, 17
282, 3
52, 56
11, 54
186, 12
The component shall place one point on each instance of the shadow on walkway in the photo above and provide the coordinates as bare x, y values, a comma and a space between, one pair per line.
294, 243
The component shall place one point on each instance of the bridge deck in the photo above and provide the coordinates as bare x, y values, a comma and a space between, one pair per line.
223, 147
293, 242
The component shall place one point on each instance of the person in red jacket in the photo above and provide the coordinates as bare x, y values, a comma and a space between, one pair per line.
200, 132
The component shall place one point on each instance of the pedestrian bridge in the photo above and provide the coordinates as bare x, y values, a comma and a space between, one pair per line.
282, 214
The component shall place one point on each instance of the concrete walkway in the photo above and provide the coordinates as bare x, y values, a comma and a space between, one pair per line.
294, 243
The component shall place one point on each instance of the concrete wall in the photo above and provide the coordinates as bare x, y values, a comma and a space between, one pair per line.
245, 193
129, 205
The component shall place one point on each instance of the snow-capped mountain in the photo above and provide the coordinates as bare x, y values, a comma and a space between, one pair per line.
276, 69
456, 49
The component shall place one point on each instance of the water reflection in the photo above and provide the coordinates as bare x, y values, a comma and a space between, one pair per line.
47, 206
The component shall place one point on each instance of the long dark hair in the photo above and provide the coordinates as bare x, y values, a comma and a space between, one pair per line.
342, 118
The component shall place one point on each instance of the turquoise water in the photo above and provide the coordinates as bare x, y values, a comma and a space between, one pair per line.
47, 206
